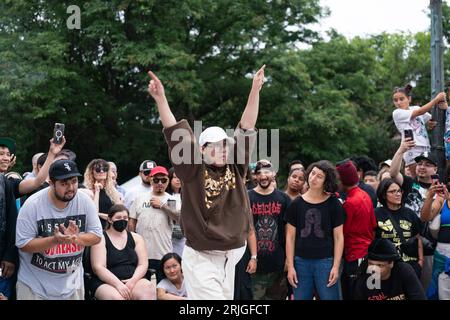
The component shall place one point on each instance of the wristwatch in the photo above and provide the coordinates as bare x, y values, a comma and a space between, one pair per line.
254, 258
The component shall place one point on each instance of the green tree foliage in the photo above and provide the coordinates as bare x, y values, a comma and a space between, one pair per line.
94, 79
329, 101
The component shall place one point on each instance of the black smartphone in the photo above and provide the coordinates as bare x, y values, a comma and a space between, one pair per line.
409, 134
172, 204
434, 179
58, 133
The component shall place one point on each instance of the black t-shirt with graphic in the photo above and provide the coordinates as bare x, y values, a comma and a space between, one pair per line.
407, 187
403, 284
406, 219
314, 225
268, 218
414, 200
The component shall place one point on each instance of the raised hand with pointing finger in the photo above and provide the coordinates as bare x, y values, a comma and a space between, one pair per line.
212, 164
155, 87
258, 80
156, 90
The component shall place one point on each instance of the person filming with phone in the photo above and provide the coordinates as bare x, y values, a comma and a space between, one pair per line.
436, 209
152, 218
414, 193
413, 118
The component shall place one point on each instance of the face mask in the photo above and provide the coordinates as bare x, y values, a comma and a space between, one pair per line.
120, 225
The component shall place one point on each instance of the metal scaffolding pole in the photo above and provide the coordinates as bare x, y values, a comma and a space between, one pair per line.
437, 82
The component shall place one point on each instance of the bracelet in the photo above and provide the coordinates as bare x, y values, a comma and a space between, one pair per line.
254, 258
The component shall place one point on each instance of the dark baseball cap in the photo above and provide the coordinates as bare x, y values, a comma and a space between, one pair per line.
263, 165
10, 143
382, 250
427, 156
147, 165
63, 169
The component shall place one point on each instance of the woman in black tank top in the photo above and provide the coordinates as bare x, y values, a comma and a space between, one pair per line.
120, 262
98, 179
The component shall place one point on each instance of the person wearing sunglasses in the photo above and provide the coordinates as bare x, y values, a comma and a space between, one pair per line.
152, 215
399, 224
144, 187
98, 179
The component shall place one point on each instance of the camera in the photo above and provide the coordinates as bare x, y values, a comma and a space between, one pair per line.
58, 133
409, 134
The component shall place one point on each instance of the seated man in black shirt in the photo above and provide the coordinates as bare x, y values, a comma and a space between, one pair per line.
385, 277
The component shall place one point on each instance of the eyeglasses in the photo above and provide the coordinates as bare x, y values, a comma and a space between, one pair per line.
158, 180
101, 168
146, 173
396, 191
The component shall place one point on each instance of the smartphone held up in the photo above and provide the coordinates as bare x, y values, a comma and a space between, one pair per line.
409, 134
58, 133
435, 181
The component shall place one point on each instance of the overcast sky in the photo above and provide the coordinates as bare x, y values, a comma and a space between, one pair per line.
362, 17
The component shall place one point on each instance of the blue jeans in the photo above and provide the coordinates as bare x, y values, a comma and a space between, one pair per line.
314, 273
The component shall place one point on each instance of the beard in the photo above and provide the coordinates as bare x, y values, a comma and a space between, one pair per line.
158, 191
144, 181
64, 198
269, 183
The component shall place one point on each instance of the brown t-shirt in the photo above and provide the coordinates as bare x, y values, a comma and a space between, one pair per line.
215, 211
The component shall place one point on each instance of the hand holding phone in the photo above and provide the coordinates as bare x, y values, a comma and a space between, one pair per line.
434, 179
58, 133
409, 134
171, 203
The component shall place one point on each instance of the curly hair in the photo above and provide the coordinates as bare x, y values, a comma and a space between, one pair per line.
89, 180
331, 180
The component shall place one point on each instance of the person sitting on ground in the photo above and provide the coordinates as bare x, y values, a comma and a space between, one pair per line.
171, 287
120, 262
396, 280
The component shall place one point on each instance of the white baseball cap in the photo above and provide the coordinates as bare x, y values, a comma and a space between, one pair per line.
213, 134
387, 162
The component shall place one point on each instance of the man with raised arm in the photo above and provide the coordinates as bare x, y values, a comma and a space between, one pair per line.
216, 213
